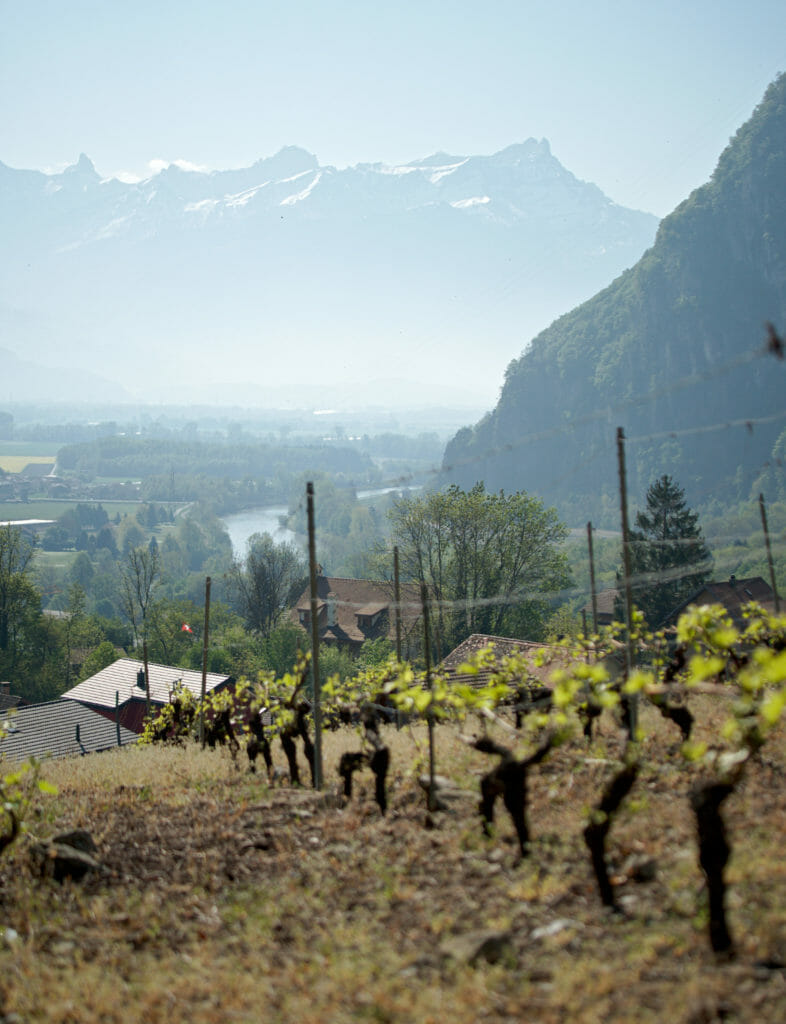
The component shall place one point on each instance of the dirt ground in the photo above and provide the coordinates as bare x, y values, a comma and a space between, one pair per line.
223, 899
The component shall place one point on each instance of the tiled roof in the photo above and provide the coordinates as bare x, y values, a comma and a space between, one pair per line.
8, 700
121, 678
551, 657
50, 730
349, 598
372, 608
733, 594
605, 600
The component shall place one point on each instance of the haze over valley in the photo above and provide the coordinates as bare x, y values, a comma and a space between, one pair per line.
288, 283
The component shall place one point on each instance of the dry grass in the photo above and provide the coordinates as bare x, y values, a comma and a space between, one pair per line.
226, 900
16, 463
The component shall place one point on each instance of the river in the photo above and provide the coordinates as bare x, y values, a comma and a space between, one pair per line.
266, 519
242, 525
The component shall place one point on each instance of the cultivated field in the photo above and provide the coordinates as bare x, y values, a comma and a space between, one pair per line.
16, 463
223, 899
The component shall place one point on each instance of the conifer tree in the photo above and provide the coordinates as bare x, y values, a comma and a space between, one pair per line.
669, 557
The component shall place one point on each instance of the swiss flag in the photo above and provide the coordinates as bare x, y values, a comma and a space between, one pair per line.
185, 628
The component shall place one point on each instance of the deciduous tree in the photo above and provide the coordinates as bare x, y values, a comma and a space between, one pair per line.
20, 602
490, 561
267, 581
140, 580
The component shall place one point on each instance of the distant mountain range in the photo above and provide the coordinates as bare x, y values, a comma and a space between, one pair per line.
676, 351
292, 283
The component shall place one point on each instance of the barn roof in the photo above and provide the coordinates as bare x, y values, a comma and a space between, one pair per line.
51, 729
121, 678
541, 659
733, 594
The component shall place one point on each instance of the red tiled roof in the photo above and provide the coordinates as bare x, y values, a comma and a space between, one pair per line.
346, 599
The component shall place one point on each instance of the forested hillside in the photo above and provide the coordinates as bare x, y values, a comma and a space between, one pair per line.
677, 351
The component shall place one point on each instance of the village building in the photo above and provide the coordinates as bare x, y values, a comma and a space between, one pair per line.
541, 659
8, 700
119, 691
352, 611
59, 728
733, 594
605, 601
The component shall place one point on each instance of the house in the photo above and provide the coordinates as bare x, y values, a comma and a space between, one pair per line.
352, 611
59, 728
542, 659
606, 601
118, 692
733, 594
8, 700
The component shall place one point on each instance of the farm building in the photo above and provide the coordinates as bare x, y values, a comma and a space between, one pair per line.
542, 659
733, 594
352, 611
59, 728
118, 692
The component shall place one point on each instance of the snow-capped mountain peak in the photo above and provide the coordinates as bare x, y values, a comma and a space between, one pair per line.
290, 269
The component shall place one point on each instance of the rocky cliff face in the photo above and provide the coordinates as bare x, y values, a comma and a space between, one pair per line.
674, 351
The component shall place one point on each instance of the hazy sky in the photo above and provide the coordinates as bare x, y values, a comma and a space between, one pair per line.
639, 98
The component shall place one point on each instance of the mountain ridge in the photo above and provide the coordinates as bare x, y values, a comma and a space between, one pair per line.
289, 272
673, 351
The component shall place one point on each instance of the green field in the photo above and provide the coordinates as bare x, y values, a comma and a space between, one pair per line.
33, 448
60, 560
33, 509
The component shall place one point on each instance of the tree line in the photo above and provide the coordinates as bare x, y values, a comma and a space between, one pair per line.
492, 564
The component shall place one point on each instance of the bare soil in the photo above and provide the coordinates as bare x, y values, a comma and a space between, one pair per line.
224, 899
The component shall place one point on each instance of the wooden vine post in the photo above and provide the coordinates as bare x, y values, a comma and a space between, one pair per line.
204, 663
397, 606
593, 587
397, 601
430, 686
312, 560
147, 676
629, 701
769, 553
